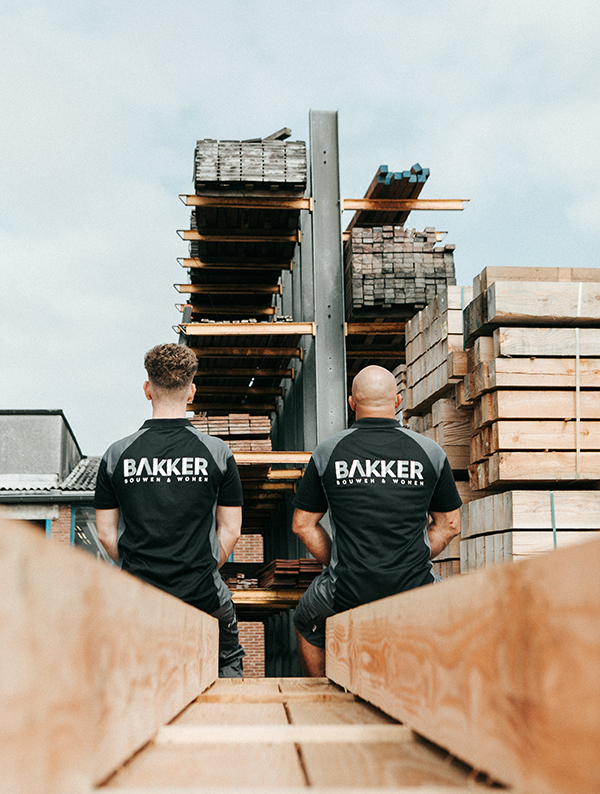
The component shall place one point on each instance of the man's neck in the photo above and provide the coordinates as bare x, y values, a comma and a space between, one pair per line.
168, 411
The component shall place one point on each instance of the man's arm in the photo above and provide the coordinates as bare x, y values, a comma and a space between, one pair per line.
306, 526
107, 526
441, 529
229, 529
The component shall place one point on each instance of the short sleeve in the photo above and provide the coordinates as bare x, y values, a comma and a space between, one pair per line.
230, 489
104, 497
445, 497
310, 495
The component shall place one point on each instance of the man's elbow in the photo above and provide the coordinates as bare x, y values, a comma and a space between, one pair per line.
453, 524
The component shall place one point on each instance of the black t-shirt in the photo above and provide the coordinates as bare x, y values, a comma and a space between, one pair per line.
167, 480
379, 481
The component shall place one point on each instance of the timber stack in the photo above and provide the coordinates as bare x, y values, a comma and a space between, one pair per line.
396, 270
517, 409
532, 381
241, 432
392, 271
435, 364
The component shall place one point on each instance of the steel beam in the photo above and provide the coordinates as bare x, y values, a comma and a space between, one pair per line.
330, 347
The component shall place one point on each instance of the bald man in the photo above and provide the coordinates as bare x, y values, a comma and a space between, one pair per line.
393, 507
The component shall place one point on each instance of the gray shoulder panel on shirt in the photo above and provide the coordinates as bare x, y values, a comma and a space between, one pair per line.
323, 452
217, 448
432, 449
114, 452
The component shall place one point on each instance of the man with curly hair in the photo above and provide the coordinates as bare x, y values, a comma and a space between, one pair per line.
168, 500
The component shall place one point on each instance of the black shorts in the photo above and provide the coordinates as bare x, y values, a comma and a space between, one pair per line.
315, 606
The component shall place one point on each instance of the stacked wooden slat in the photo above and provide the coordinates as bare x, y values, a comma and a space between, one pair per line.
280, 574
267, 162
533, 380
518, 524
435, 359
241, 432
389, 266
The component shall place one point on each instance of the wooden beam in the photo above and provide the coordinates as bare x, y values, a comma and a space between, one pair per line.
247, 329
194, 262
229, 289
195, 236
500, 667
365, 352
236, 311
375, 328
266, 598
283, 734
272, 457
251, 352
227, 407
254, 390
243, 372
94, 662
398, 205
248, 202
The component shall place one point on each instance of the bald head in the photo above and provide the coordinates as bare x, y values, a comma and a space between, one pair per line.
374, 393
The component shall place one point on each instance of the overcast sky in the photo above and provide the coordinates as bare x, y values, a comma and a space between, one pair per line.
102, 102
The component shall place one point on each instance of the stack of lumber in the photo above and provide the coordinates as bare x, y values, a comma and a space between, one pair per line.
391, 267
288, 573
518, 524
270, 163
241, 582
435, 358
241, 432
388, 184
533, 375
450, 427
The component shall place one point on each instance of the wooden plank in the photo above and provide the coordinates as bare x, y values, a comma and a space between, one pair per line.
351, 789
540, 435
255, 597
272, 457
94, 661
258, 237
335, 712
247, 329
490, 274
196, 262
229, 289
549, 373
546, 342
397, 205
247, 352
532, 467
220, 713
248, 202
499, 667
282, 734
382, 765
259, 766
543, 302
534, 405
374, 328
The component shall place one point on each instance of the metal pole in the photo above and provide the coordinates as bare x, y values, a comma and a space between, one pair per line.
330, 342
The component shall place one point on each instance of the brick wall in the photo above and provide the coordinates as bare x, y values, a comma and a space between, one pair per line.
252, 638
249, 548
60, 529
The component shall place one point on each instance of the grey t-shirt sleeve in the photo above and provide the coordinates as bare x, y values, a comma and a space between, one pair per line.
310, 495
445, 496
104, 497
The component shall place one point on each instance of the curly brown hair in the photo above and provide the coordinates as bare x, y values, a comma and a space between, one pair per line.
171, 366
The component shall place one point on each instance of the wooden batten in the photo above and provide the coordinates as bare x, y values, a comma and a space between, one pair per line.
500, 667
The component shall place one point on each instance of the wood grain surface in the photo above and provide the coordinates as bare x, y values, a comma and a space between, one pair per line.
500, 667
93, 662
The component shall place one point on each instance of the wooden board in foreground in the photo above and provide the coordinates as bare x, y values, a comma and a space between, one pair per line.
93, 662
499, 667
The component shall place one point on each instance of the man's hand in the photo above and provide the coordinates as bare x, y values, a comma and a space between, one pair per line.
229, 529
306, 526
442, 528
107, 526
